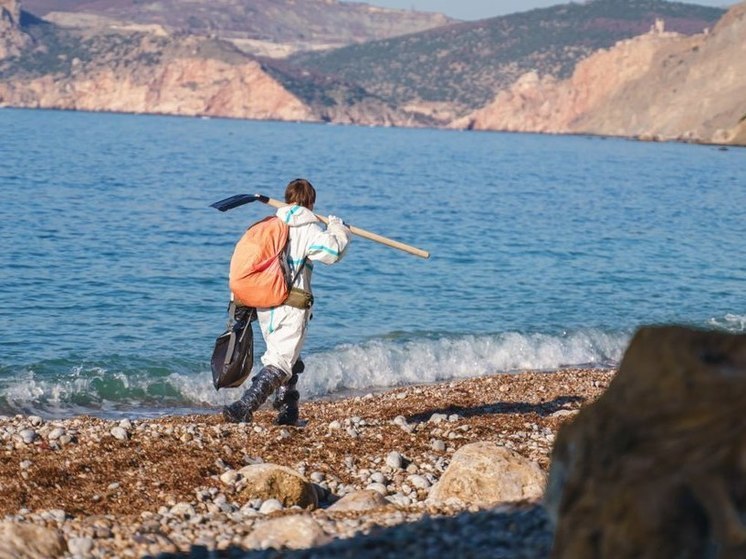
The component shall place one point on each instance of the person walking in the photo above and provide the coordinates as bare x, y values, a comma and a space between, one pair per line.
284, 327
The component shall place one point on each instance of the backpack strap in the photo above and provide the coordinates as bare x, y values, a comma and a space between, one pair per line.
230, 327
298, 272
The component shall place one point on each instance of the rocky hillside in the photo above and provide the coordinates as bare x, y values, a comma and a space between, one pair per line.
12, 40
268, 27
657, 86
455, 69
152, 71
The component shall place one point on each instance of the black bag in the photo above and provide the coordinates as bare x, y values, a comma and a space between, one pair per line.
233, 356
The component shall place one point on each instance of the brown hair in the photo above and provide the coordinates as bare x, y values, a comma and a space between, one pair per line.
300, 192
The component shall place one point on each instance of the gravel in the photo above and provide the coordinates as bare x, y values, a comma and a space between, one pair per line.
154, 487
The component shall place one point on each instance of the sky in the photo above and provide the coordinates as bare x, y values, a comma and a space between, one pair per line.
480, 9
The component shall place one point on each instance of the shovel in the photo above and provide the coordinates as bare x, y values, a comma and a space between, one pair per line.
241, 199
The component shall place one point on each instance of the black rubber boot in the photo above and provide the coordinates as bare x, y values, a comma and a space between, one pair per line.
286, 398
263, 384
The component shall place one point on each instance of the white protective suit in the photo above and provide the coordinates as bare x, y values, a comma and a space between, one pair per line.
284, 327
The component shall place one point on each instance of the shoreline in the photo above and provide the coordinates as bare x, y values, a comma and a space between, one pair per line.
76, 475
643, 138
149, 413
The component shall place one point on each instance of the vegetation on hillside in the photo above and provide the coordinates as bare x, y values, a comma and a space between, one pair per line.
467, 63
456, 68
304, 23
63, 52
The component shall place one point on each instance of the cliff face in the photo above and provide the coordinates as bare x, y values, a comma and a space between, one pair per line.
184, 83
187, 86
142, 72
655, 86
12, 39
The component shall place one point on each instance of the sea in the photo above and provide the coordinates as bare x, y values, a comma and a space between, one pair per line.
546, 252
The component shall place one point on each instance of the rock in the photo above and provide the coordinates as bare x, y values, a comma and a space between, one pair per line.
269, 506
28, 436
230, 477
655, 467
55, 433
293, 532
377, 477
183, 510
394, 460
377, 487
270, 481
419, 482
400, 420
484, 474
119, 433
353, 433
80, 547
24, 541
56, 515
399, 500
564, 413
318, 477
360, 500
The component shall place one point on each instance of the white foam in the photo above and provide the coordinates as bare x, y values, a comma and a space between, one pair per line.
372, 365
731, 322
384, 364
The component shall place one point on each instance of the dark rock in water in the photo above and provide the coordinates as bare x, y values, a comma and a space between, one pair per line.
656, 467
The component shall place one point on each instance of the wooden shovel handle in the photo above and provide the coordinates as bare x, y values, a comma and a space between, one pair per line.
357, 231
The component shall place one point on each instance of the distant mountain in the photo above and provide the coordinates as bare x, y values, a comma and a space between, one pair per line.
458, 68
525, 72
146, 69
273, 27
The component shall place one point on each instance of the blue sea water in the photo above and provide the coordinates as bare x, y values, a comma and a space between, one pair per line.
547, 252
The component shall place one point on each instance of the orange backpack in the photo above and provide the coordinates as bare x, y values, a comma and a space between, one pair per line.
259, 274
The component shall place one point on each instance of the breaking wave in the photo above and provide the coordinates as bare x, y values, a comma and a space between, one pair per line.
124, 386
735, 323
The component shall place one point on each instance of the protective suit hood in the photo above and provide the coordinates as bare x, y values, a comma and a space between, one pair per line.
295, 216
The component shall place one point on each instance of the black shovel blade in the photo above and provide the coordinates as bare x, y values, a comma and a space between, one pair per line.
235, 201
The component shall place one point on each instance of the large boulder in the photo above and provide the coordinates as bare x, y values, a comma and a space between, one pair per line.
485, 474
287, 532
656, 467
25, 541
270, 481
367, 499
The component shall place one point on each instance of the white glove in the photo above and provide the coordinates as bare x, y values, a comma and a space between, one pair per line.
334, 220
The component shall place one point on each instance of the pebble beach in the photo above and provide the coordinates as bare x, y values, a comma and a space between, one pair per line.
172, 486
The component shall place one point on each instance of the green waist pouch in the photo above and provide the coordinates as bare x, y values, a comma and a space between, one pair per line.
299, 299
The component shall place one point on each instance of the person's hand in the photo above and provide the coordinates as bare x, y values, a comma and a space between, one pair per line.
333, 219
